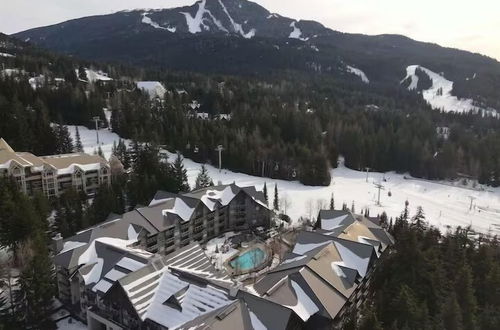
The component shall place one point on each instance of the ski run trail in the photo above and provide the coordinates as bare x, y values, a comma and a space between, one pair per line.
446, 204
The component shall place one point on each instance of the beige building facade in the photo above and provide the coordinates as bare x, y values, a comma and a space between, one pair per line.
55, 174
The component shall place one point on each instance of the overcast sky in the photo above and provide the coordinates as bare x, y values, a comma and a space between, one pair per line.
471, 25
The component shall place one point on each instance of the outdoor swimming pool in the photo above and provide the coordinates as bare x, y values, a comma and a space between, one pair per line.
249, 260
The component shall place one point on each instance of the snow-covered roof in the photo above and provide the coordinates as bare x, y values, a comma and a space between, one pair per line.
153, 88
168, 295
62, 164
223, 195
324, 269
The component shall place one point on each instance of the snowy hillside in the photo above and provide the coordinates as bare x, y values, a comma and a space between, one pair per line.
358, 73
439, 95
444, 204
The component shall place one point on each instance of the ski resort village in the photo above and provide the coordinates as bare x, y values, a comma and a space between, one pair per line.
221, 166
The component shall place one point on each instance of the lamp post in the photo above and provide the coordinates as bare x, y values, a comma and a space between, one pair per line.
219, 149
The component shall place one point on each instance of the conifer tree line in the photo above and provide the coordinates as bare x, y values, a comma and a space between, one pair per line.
24, 230
431, 280
291, 126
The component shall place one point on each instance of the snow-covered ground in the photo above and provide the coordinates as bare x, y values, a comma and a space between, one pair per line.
358, 73
439, 95
225, 250
149, 21
296, 32
74, 325
444, 204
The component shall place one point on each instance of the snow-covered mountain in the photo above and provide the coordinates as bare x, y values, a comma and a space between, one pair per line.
242, 37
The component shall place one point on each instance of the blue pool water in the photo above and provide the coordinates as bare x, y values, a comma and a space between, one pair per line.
249, 260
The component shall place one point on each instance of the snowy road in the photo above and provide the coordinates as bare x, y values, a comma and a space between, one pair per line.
444, 204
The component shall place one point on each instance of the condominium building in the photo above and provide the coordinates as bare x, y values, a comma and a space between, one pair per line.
146, 269
52, 175
89, 262
329, 269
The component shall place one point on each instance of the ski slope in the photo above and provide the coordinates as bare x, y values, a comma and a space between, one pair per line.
439, 96
445, 204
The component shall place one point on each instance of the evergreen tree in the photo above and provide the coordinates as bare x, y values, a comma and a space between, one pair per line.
353, 210
276, 202
466, 297
418, 221
64, 144
180, 174
203, 180
369, 321
18, 218
99, 151
70, 213
37, 288
78, 141
332, 202
451, 315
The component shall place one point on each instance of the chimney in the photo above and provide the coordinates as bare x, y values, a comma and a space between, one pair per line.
57, 243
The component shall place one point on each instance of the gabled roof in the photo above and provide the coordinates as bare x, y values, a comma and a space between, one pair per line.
246, 312
63, 164
121, 232
165, 213
186, 275
323, 270
4, 146
334, 221
222, 195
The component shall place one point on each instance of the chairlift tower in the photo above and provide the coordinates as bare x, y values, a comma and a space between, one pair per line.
472, 199
97, 120
380, 187
367, 172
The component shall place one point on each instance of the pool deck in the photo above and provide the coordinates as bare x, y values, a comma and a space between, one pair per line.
265, 263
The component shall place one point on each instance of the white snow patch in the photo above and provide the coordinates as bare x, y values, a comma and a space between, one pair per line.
153, 88
236, 26
195, 23
273, 15
446, 203
439, 95
130, 264
93, 76
256, 323
6, 55
69, 245
149, 21
352, 260
289, 261
181, 209
296, 33
304, 248
89, 257
331, 224
336, 269
305, 307
70, 324
131, 233
223, 246
358, 73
